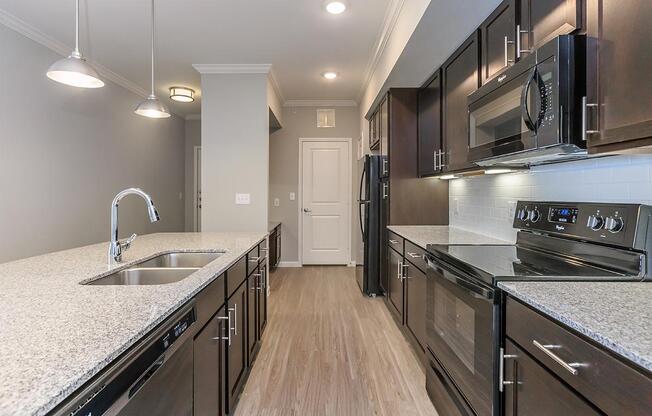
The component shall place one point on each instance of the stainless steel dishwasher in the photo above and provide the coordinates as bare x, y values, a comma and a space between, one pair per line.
153, 378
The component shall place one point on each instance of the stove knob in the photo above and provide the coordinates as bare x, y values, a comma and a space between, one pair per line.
614, 224
523, 214
595, 222
535, 215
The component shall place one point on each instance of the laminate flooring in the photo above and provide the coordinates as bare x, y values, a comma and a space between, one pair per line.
329, 350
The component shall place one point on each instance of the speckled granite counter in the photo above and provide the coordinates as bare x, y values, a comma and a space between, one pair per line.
614, 314
422, 235
56, 334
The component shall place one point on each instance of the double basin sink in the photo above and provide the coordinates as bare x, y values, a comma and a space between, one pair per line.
160, 270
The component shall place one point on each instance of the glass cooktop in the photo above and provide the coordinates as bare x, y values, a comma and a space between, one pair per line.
510, 262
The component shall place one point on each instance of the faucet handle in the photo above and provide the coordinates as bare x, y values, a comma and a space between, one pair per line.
127, 243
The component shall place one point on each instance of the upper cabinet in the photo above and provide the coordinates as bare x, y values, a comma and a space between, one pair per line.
543, 20
619, 92
430, 144
460, 77
383, 118
498, 34
374, 132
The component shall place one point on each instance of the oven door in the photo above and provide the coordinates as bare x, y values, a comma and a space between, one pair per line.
500, 122
462, 330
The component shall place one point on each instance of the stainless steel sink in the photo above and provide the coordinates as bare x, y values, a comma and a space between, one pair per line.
146, 276
160, 270
180, 259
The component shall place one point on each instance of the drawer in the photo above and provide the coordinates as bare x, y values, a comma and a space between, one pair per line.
210, 300
395, 241
609, 383
252, 259
236, 275
414, 254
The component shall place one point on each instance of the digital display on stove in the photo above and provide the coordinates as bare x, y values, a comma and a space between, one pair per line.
563, 215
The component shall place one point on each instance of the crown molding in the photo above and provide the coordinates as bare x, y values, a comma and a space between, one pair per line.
320, 103
25, 29
233, 68
193, 117
389, 23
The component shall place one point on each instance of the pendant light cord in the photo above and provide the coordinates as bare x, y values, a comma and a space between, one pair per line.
76, 53
152, 47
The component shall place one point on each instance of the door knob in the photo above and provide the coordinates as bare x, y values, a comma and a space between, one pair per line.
307, 210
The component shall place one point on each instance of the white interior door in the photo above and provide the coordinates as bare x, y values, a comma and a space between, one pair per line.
325, 198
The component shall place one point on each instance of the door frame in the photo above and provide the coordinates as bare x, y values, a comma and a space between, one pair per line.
303, 140
196, 211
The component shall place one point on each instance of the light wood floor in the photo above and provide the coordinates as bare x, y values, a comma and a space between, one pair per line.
328, 350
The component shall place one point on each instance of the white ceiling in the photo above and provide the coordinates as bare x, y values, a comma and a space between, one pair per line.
297, 37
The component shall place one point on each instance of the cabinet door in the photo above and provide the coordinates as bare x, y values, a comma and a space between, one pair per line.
395, 283
543, 20
384, 268
460, 78
262, 301
383, 115
272, 248
498, 34
618, 85
533, 391
210, 366
252, 315
429, 130
237, 352
415, 303
278, 248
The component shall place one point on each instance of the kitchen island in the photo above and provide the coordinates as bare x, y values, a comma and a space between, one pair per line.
56, 334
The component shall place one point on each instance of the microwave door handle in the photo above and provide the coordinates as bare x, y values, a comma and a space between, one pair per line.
525, 92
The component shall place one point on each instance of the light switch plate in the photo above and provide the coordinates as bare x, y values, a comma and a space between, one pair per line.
242, 199
277, 202
292, 196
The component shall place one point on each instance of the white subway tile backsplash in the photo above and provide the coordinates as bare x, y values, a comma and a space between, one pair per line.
485, 203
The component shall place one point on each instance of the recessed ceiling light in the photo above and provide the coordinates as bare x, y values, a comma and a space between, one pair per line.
329, 75
335, 7
182, 94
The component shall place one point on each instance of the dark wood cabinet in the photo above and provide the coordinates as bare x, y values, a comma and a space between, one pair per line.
619, 91
210, 367
543, 20
498, 35
533, 391
237, 351
383, 117
459, 79
252, 317
374, 131
395, 284
261, 301
429, 127
275, 247
415, 301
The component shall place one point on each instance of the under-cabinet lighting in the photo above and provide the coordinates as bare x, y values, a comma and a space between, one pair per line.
448, 177
497, 171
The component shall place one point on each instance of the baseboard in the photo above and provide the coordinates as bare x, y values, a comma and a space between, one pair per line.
351, 264
289, 264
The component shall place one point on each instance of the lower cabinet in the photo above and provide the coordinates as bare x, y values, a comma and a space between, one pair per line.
252, 316
415, 302
237, 351
210, 347
395, 284
531, 390
261, 301
275, 247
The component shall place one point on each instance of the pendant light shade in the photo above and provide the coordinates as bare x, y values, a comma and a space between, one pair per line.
152, 107
74, 70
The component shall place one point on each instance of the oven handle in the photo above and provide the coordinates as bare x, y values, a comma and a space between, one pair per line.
468, 285
525, 111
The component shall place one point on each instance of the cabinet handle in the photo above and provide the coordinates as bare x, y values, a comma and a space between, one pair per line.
570, 367
384, 166
434, 159
385, 190
228, 323
520, 33
235, 318
393, 241
264, 280
501, 381
254, 259
405, 269
414, 255
400, 267
507, 60
585, 111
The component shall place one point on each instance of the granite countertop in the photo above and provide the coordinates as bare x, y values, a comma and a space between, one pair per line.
272, 224
614, 314
422, 235
56, 334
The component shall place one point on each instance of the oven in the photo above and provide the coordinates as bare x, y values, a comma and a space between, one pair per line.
463, 330
532, 112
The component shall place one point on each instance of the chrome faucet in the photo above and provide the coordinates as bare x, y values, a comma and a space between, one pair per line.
116, 247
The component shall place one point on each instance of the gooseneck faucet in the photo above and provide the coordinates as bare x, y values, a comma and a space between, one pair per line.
116, 247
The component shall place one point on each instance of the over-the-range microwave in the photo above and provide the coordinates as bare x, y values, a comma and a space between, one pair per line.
532, 112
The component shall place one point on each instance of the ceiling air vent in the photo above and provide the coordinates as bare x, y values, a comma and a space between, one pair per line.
325, 118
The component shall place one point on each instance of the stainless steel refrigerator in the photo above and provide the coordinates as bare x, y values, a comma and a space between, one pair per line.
371, 225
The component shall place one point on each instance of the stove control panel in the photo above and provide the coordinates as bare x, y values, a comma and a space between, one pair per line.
599, 222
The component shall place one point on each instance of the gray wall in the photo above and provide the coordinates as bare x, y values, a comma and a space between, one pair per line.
193, 138
65, 152
301, 122
235, 151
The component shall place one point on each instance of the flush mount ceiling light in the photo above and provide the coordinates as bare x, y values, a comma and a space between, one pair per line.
182, 94
330, 75
152, 107
74, 70
335, 7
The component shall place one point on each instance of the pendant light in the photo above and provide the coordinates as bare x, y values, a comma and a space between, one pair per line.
74, 70
152, 107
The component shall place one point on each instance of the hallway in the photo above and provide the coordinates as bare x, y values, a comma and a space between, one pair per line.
328, 350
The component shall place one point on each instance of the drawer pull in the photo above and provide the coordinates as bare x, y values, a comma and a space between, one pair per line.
571, 368
393, 241
414, 255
